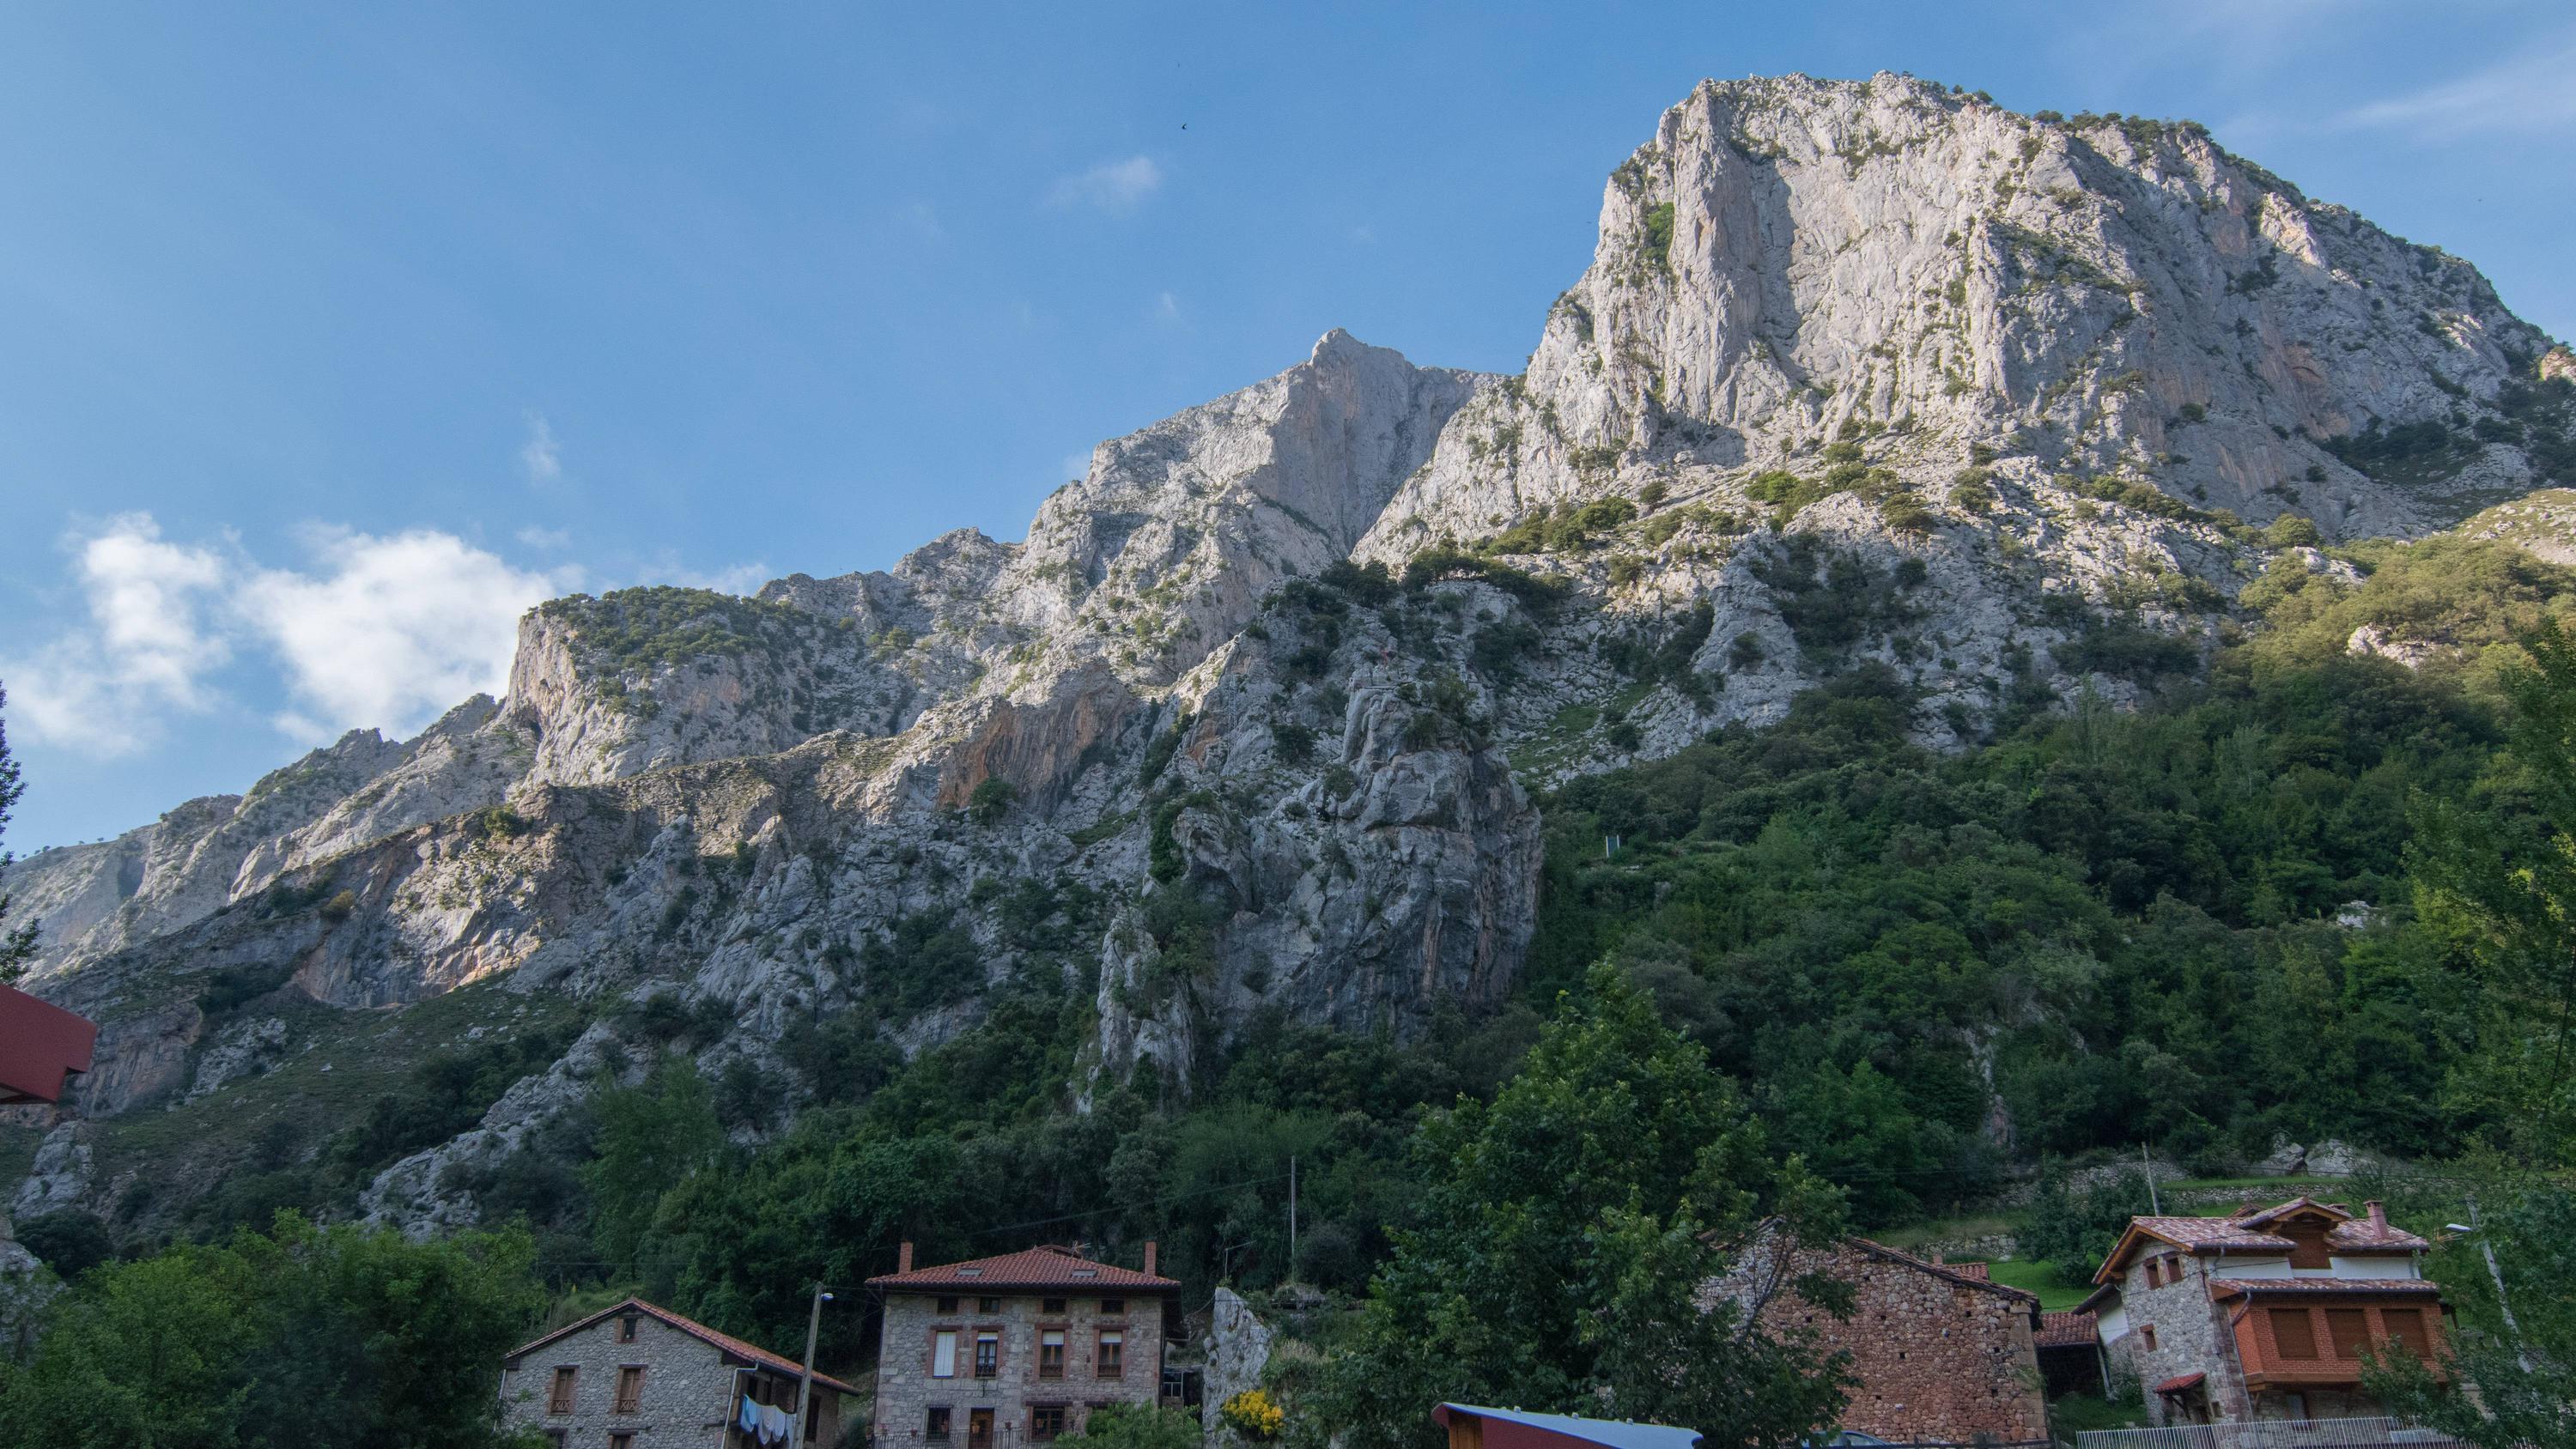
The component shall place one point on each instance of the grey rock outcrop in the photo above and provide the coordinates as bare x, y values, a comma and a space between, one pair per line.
1862, 376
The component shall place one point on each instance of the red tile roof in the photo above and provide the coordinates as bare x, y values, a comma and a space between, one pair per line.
2178, 1383
2243, 1231
1047, 1267
1972, 1275
2230, 1287
750, 1353
2076, 1329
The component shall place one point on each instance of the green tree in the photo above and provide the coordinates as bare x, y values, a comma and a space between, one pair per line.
651, 1136
303, 1336
1137, 1426
1563, 1240
17, 943
2501, 877
2524, 1375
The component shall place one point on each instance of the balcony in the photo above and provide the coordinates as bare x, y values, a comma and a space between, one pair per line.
2271, 1434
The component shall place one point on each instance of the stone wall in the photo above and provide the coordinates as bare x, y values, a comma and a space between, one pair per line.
906, 1391
2190, 1338
1938, 1355
688, 1397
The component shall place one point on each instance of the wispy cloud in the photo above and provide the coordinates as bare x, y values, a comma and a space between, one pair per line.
388, 631
144, 652
1167, 309
375, 631
2528, 94
1111, 185
540, 457
546, 538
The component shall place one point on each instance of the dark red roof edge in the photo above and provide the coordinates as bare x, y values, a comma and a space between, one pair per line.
725, 1342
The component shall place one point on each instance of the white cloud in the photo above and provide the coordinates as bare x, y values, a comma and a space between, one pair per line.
2530, 93
384, 632
539, 456
1111, 185
145, 649
390, 631
547, 538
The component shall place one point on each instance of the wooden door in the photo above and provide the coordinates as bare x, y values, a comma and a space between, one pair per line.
979, 1429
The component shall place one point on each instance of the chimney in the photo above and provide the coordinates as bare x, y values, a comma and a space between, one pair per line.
903, 1257
2378, 1215
1149, 1255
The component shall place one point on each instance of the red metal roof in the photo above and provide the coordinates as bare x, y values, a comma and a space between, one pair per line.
40, 1046
2073, 1329
1047, 1267
2178, 1383
751, 1353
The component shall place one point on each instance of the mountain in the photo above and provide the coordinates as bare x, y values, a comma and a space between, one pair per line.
1865, 374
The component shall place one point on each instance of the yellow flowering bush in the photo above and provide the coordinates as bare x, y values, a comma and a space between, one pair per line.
1253, 1414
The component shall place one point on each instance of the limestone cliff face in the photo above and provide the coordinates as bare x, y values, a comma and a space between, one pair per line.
1863, 374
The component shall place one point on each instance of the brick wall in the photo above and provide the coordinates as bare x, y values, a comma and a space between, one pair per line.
1936, 1358
687, 1401
906, 1391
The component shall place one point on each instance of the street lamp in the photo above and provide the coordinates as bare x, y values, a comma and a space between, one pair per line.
805, 1388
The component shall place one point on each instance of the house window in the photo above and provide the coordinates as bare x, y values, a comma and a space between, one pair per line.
1111, 1361
1046, 1421
2147, 1336
2349, 1330
630, 1388
1113, 1306
988, 1353
2406, 1329
948, 1304
1050, 1305
988, 1305
559, 1398
626, 1329
621, 1441
2293, 1333
2153, 1267
934, 1423
1050, 1353
943, 1354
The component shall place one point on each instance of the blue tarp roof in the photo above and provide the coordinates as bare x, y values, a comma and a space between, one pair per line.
1616, 1433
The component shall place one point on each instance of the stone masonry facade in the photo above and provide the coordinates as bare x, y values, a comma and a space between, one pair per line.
685, 1399
2190, 1337
1126, 1330
1939, 1352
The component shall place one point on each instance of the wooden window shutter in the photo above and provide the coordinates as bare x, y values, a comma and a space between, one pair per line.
2406, 1330
2349, 1330
2294, 1333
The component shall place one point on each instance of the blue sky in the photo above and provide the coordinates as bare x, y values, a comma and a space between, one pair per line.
331, 335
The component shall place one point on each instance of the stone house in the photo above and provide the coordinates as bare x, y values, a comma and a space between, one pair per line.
1001, 1352
1940, 1351
2263, 1313
638, 1376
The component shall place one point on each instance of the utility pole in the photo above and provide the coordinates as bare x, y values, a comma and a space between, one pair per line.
2504, 1308
2155, 1204
805, 1388
1292, 1218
